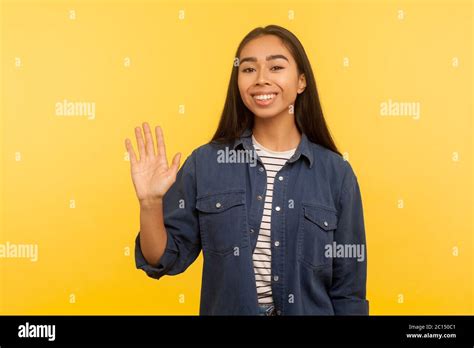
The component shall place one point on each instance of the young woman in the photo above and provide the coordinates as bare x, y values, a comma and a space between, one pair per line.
270, 201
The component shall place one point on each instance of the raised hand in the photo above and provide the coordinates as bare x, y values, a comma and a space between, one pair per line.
151, 175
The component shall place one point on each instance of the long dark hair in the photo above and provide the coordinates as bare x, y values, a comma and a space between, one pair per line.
236, 117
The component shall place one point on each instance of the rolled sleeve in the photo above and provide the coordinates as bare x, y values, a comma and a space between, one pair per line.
167, 260
181, 224
348, 289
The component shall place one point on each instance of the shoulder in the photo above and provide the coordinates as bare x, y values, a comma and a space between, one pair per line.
337, 169
205, 155
208, 151
210, 147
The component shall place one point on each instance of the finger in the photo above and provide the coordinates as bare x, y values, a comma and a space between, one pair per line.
175, 164
141, 144
149, 145
160, 143
131, 153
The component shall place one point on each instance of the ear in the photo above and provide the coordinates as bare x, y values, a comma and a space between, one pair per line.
301, 84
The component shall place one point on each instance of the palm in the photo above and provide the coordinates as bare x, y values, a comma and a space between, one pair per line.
151, 175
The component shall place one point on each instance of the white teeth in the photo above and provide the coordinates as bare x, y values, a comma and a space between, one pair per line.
264, 96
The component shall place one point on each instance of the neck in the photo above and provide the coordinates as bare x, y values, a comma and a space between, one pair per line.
277, 135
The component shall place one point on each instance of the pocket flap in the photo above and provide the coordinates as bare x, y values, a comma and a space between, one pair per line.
219, 202
325, 219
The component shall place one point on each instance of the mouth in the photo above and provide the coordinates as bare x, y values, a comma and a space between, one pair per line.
264, 99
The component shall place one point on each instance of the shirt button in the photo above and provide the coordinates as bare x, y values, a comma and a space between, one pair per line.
275, 278
277, 208
279, 312
218, 205
325, 223
259, 197
280, 178
277, 243
260, 169
252, 230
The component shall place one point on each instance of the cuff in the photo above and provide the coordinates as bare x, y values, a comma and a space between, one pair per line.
166, 262
348, 306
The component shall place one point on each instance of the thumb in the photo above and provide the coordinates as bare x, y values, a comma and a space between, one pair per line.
175, 163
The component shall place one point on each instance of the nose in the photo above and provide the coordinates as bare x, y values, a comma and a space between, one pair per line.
262, 78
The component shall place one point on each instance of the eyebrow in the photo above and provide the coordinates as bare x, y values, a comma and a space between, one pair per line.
270, 57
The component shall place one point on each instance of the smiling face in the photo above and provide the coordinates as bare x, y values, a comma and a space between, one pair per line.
268, 77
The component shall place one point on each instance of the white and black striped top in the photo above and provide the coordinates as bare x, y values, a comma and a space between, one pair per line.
272, 161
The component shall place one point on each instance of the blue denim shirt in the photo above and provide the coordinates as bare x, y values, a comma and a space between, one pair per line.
217, 208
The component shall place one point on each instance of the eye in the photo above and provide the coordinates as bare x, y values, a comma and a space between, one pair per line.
276, 66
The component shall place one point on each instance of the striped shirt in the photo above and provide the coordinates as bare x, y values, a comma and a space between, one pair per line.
272, 161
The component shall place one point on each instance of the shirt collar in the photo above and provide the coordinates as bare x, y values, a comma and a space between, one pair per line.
302, 149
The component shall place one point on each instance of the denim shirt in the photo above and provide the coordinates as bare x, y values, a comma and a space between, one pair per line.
317, 220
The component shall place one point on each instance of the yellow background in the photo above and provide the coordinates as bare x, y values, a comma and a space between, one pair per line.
86, 252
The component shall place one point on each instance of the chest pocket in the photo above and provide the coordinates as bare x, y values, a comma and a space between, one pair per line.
222, 217
317, 226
